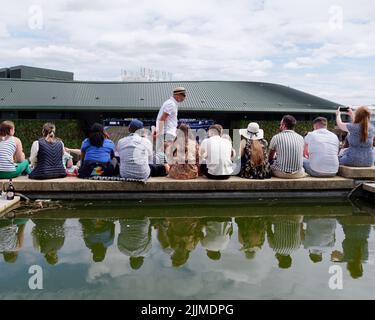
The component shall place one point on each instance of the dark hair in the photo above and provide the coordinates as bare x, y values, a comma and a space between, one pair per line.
97, 135
5, 128
323, 121
49, 130
136, 262
213, 255
289, 122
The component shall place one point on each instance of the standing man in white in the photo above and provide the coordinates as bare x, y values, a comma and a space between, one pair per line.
166, 121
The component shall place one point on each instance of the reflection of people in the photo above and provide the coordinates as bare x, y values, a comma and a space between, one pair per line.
355, 247
251, 234
49, 237
319, 235
284, 237
11, 238
98, 235
134, 240
216, 237
180, 236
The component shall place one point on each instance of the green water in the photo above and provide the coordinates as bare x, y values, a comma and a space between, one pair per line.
265, 249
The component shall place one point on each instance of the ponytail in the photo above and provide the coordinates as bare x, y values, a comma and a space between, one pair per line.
48, 131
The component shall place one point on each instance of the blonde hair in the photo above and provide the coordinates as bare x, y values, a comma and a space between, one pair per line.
257, 155
362, 115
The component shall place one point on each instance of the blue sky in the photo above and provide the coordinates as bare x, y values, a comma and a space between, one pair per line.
326, 48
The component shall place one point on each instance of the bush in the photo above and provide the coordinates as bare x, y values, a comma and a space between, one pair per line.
69, 131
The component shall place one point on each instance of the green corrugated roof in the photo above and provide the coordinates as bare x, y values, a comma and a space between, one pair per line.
228, 96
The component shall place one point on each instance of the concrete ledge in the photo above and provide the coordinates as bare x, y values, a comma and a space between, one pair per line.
72, 185
370, 187
7, 205
357, 172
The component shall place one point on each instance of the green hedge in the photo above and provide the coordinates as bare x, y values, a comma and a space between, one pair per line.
272, 127
70, 131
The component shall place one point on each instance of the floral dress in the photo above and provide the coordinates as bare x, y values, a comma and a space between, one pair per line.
248, 170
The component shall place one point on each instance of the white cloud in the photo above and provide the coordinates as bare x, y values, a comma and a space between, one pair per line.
196, 40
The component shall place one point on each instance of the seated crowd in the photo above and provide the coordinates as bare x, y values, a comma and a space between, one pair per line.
288, 155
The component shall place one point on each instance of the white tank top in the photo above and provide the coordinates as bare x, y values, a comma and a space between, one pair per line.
7, 151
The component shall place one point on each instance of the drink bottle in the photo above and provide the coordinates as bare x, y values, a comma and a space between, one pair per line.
10, 190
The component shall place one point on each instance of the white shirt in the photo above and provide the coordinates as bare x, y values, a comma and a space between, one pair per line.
323, 148
217, 152
171, 107
216, 235
135, 154
320, 234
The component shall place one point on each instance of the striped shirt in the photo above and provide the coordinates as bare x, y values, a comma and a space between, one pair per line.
284, 237
289, 151
7, 151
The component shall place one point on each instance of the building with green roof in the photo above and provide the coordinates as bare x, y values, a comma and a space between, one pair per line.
219, 100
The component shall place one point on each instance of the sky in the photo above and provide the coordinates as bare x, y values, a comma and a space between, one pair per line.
323, 47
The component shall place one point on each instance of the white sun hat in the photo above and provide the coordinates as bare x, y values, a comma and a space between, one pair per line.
252, 132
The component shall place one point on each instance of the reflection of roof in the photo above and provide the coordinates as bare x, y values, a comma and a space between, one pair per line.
229, 96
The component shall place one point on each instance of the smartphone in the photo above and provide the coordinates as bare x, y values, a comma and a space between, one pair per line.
344, 109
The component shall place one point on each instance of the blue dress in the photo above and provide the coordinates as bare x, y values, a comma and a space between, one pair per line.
359, 154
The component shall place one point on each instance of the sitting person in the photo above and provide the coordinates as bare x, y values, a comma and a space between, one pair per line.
12, 158
184, 163
217, 152
286, 151
321, 151
254, 160
136, 154
70, 168
97, 154
46, 155
360, 138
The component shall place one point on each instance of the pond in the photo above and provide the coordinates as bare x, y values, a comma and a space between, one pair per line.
258, 249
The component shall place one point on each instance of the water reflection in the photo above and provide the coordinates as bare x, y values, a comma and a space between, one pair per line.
11, 238
251, 235
216, 236
98, 235
284, 237
318, 237
178, 238
48, 237
355, 247
134, 240
182, 235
